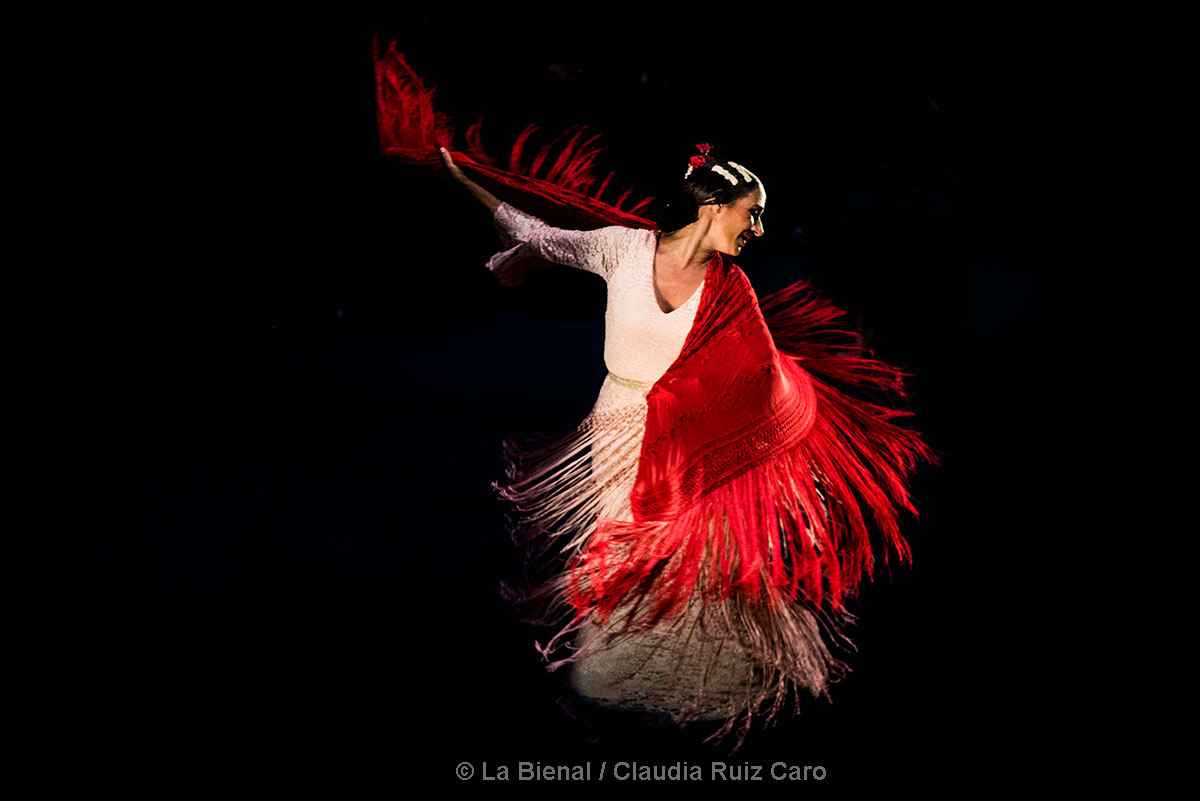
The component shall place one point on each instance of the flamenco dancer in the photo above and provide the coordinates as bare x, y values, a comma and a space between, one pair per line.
705, 525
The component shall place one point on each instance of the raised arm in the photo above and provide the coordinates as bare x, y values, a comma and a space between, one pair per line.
593, 250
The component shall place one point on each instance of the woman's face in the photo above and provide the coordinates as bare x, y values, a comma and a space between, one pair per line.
737, 223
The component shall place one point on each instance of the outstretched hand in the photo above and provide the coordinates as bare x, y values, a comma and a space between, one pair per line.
484, 196
452, 168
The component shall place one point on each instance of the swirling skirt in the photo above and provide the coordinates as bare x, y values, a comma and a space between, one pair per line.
717, 661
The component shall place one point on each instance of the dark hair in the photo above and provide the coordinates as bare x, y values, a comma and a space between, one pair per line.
705, 185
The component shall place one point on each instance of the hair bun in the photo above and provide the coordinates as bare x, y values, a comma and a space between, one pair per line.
712, 181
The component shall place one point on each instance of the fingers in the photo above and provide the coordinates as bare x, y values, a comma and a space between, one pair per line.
451, 166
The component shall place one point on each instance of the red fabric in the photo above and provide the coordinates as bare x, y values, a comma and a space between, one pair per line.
746, 430
561, 188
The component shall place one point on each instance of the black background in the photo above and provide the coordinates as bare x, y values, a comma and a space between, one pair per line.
267, 378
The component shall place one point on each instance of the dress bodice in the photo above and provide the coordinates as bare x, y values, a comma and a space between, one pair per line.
640, 340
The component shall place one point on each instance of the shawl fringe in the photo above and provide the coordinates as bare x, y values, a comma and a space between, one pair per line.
560, 187
556, 493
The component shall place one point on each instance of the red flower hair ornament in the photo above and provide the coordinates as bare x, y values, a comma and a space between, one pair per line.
699, 161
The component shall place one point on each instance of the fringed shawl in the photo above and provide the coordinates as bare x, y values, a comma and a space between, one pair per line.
745, 432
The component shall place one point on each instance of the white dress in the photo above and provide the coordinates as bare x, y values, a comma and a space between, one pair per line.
657, 671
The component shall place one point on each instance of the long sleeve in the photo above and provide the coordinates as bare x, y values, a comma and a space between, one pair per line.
525, 235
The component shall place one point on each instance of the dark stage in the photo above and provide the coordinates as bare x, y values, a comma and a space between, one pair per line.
268, 378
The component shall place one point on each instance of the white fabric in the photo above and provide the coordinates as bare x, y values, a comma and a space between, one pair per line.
641, 342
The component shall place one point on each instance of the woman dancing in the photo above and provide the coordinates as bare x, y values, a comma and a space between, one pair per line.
710, 517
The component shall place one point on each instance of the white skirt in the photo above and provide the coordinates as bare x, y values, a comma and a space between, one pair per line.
694, 667
718, 660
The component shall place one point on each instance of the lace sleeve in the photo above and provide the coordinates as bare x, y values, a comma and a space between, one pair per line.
593, 250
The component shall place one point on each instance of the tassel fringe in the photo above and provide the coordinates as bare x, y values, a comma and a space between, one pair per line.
730, 658
760, 569
412, 130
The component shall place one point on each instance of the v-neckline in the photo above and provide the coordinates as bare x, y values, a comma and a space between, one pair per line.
654, 284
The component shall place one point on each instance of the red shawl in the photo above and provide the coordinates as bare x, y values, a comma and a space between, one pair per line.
758, 476
745, 434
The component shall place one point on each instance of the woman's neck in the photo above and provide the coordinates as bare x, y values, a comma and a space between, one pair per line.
684, 249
